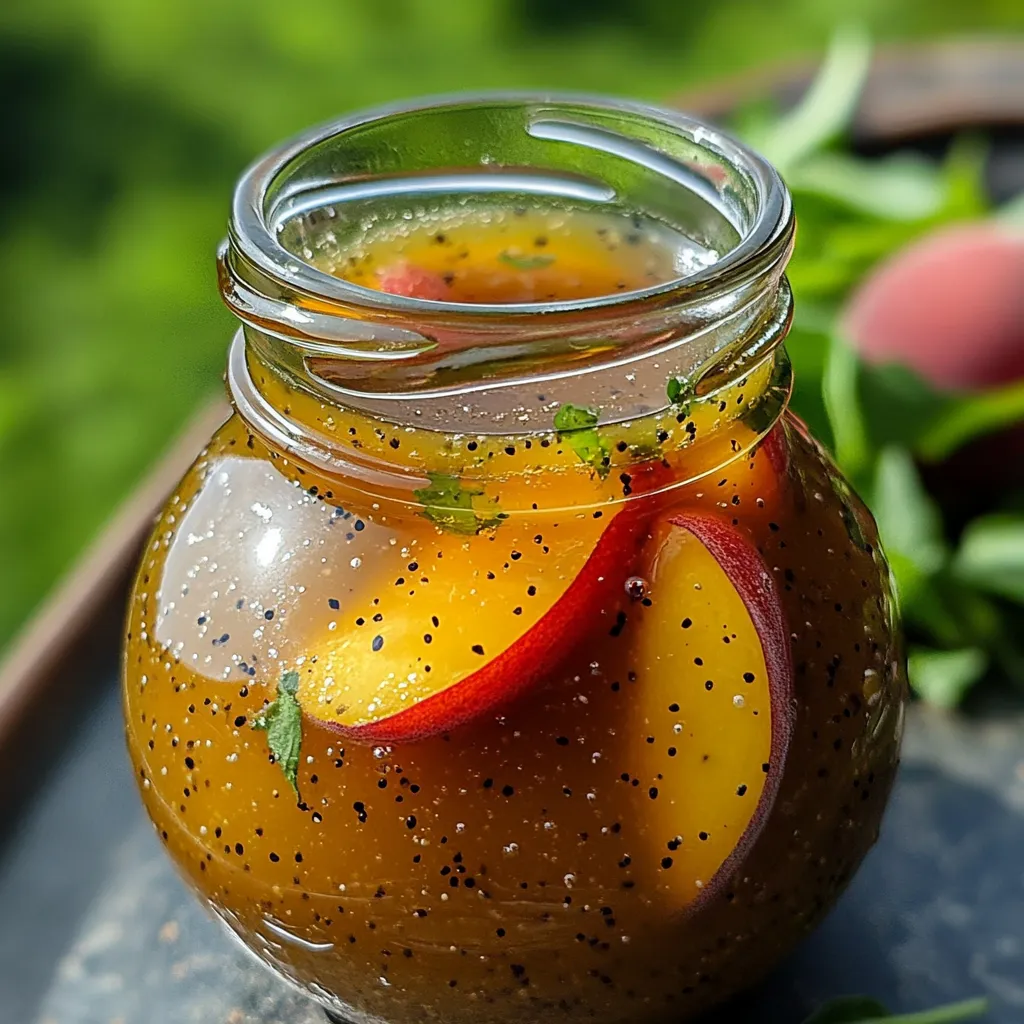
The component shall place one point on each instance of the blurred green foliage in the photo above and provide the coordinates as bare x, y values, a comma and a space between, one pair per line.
125, 125
958, 565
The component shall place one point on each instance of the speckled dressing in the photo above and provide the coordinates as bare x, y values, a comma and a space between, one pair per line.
445, 697
537, 859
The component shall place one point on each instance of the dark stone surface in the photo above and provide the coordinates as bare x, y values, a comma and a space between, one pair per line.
96, 928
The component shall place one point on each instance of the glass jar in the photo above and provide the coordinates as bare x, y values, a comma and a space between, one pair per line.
505, 659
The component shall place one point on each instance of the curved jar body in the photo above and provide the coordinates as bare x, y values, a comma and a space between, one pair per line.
563, 679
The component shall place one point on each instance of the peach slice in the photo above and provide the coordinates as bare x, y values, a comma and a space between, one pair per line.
413, 282
711, 705
446, 627
775, 449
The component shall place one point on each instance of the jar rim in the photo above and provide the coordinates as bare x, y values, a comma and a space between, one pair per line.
254, 237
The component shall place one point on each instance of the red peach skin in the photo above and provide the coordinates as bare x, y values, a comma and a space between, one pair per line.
756, 587
950, 306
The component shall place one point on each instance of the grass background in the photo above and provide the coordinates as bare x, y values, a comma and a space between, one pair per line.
125, 125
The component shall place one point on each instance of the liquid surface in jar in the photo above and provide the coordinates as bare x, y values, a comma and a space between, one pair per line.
524, 254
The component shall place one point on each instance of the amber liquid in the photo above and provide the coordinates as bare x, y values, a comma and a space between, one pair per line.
569, 851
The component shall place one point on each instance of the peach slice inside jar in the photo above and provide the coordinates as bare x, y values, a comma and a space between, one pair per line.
699, 655
443, 627
710, 715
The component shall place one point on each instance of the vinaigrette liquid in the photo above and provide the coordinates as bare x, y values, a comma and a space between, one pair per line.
559, 853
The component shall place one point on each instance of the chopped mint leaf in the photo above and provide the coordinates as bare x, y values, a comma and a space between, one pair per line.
282, 722
861, 1010
680, 393
451, 506
577, 426
526, 262
574, 417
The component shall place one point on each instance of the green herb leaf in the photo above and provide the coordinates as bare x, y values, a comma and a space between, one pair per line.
574, 417
861, 1010
538, 262
282, 722
577, 426
991, 555
453, 507
943, 678
680, 392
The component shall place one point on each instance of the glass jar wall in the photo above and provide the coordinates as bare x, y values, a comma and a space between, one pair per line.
511, 650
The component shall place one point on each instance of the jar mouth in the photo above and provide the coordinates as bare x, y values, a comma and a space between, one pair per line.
588, 149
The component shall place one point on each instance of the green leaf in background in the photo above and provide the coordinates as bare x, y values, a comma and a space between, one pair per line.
842, 403
909, 521
958, 419
861, 1010
853, 213
963, 172
808, 350
880, 420
991, 555
282, 721
942, 678
886, 404
900, 406
827, 106
902, 187
847, 1010
1012, 213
